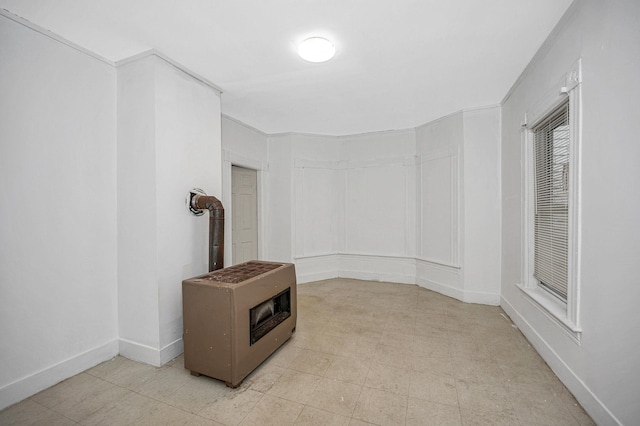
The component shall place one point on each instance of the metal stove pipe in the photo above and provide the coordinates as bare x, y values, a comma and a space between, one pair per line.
216, 227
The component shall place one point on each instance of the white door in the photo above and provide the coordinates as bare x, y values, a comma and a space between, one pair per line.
244, 233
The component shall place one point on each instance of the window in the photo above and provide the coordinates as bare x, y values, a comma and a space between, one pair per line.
551, 212
551, 201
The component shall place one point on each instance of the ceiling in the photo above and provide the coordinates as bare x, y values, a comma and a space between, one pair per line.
399, 63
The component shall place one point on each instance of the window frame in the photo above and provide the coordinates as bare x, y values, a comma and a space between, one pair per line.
565, 314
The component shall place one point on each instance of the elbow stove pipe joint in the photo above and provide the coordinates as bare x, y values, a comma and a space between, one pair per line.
197, 202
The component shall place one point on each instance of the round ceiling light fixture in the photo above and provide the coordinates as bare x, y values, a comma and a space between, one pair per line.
316, 49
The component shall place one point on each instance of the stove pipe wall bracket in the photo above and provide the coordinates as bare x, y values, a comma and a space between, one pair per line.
197, 201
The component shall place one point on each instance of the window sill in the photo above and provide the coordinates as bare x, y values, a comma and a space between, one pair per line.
553, 309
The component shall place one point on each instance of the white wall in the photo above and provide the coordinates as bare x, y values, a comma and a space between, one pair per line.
169, 141
481, 206
352, 203
389, 205
95, 164
458, 202
246, 147
440, 145
603, 370
58, 245
316, 184
279, 205
379, 200
138, 321
246, 143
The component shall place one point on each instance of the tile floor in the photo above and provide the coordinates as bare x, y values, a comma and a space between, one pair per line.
363, 353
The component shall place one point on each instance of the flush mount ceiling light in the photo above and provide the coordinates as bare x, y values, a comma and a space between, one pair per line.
316, 49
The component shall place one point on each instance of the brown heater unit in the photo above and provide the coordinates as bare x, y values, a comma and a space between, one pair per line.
235, 317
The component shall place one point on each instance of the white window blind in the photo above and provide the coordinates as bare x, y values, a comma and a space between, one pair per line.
551, 165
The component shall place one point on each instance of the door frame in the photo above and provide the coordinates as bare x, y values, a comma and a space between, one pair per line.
232, 159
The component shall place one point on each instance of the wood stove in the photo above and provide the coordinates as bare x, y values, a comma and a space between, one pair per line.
235, 317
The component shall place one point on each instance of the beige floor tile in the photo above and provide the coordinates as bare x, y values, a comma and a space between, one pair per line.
429, 364
273, 411
398, 327
420, 412
470, 349
311, 416
263, 378
392, 356
201, 421
301, 339
360, 347
541, 409
320, 342
478, 371
126, 373
352, 370
482, 397
460, 321
328, 343
309, 325
508, 351
231, 408
196, 394
340, 325
431, 350
536, 378
177, 362
164, 383
131, 409
295, 386
368, 332
434, 388
81, 396
521, 359
104, 369
397, 339
312, 362
429, 316
164, 415
464, 333
493, 418
430, 329
380, 407
132, 375
286, 354
68, 391
357, 422
575, 409
29, 412
335, 396
431, 346
54, 419
389, 379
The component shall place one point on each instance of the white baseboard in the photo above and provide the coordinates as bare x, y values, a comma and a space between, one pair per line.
43, 379
441, 288
317, 268
171, 351
139, 352
356, 266
443, 279
449, 280
148, 354
482, 298
466, 296
590, 402
378, 268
